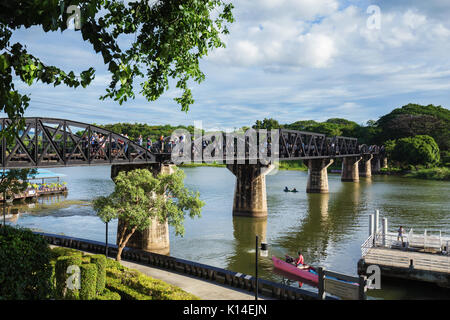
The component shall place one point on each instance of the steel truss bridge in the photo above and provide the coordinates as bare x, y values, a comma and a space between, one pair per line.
48, 142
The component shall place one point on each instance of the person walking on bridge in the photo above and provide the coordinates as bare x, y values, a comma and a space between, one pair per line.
161, 142
149, 143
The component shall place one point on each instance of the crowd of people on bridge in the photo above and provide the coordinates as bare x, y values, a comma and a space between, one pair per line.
100, 146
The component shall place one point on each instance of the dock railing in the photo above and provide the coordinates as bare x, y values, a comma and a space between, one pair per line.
381, 237
367, 245
411, 241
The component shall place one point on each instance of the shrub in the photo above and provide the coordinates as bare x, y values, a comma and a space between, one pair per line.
100, 261
431, 174
88, 289
125, 292
138, 282
108, 295
62, 291
114, 265
60, 251
120, 282
25, 269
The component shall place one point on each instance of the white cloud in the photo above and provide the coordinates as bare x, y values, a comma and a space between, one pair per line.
285, 59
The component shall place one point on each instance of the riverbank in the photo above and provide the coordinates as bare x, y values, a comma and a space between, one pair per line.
438, 173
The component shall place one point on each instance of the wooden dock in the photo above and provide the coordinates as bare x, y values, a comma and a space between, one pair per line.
419, 257
407, 259
31, 193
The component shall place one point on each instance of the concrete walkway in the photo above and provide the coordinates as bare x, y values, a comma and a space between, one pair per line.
201, 288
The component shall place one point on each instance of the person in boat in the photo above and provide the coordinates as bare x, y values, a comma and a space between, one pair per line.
286, 189
300, 261
294, 190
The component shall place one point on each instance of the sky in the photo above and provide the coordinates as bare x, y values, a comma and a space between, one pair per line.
289, 60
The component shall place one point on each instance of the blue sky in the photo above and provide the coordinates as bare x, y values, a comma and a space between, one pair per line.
285, 59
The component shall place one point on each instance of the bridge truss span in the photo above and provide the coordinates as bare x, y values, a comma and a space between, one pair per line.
299, 145
49, 142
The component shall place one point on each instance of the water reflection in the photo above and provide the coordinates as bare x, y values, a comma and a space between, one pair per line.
328, 219
245, 230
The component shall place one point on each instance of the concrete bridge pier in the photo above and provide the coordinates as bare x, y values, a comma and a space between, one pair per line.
156, 237
365, 166
376, 164
385, 163
250, 198
318, 175
350, 169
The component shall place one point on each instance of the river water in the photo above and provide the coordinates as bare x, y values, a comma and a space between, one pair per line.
329, 229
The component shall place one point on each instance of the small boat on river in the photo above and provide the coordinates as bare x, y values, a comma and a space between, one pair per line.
308, 275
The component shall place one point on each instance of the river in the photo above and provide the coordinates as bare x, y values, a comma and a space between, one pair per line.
329, 229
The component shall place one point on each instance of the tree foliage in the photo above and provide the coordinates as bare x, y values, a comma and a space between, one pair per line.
418, 150
14, 181
142, 42
147, 131
413, 119
138, 197
267, 124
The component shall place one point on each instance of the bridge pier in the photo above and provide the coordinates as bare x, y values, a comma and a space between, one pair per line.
318, 175
376, 164
365, 166
156, 237
350, 169
385, 163
250, 198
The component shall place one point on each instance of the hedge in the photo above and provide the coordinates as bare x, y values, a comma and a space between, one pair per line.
62, 291
157, 289
88, 289
120, 282
125, 292
100, 261
25, 269
108, 295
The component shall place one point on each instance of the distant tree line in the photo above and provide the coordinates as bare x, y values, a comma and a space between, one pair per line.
153, 132
414, 134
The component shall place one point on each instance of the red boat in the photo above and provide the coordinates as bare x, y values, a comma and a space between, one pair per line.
308, 275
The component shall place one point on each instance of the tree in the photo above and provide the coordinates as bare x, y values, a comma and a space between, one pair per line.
418, 150
165, 40
13, 182
412, 120
302, 125
267, 124
139, 197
